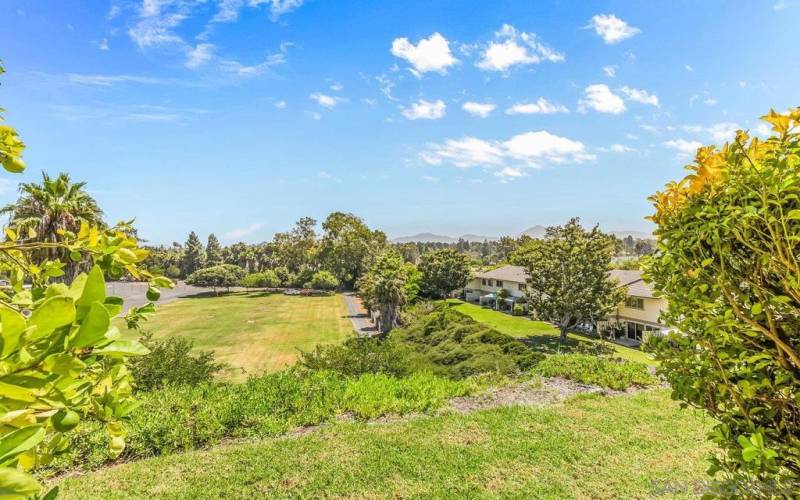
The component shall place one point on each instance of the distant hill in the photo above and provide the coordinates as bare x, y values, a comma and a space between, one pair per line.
426, 237
536, 231
440, 238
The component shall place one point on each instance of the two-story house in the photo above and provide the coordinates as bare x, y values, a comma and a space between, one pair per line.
639, 312
484, 287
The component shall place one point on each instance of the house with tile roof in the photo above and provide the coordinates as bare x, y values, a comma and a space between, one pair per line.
639, 313
484, 287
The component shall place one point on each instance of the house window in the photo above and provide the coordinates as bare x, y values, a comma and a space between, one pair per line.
635, 303
491, 283
500, 283
483, 282
522, 287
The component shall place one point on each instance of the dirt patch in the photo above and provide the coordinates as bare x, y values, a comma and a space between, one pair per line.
539, 392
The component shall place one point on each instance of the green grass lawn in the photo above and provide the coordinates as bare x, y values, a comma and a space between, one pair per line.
540, 334
254, 332
590, 447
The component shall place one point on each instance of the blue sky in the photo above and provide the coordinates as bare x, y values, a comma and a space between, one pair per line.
240, 116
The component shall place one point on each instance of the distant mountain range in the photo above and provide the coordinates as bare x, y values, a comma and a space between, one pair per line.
537, 231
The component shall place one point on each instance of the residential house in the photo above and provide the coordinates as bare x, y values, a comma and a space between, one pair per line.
639, 313
484, 287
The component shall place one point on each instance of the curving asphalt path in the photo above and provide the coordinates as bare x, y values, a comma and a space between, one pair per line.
362, 323
133, 293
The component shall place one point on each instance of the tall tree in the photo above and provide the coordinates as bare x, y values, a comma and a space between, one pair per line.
443, 271
194, 255
44, 210
297, 249
349, 246
383, 288
213, 251
568, 279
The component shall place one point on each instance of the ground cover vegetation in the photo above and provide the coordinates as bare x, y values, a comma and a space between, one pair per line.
637, 446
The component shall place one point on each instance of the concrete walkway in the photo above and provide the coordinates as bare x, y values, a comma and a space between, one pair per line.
362, 323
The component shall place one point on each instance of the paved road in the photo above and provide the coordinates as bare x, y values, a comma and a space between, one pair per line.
358, 315
134, 293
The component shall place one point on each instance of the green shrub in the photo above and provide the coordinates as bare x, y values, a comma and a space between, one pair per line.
357, 356
518, 310
605, 372
264, 279
596, 348
223, 275
182, 418
323, 280
171, 362
453, 345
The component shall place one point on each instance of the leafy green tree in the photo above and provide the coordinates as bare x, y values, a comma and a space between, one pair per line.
213, 251
297, 250
194, 255
46, 210
224, 275
443, 271
413, 282
324, 280
727, 262
170, 362
348, 246
567, 272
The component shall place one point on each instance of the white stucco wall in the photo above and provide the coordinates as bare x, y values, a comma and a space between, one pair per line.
650, 314
511, 286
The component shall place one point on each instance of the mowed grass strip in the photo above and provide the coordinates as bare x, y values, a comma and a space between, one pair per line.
540, 334
590, 447
254, 332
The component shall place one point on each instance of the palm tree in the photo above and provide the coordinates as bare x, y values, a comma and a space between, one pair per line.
387, 287
55, 204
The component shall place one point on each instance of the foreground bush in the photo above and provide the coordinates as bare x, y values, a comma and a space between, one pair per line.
264, 279
596, 370
357, 356
728, 263
171, 362
185, 418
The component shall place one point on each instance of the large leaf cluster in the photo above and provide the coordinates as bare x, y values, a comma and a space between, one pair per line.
727, 261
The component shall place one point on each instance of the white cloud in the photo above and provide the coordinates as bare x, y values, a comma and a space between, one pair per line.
610, 70
611, 28
683, 147
280, 104
541, 106
200, 55
512, 48
336, 87
600, 98
108, 80
323, 174
689, 68
237, 68
710, 101
430, 178
641, 96
324, 100
113, 12
718, 132
156, 20
617, 148
425, 110
763, 130
242, 232
103, 44
507, 159
482, 109
429, 54
151, 117
228, 10
464, 153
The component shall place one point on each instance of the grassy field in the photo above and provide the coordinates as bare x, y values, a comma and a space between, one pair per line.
538, 333
254, 332
590, 447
